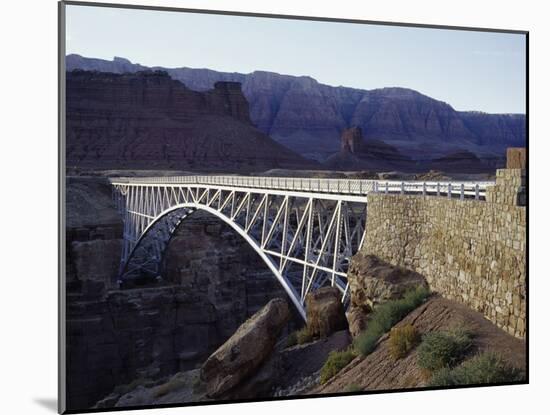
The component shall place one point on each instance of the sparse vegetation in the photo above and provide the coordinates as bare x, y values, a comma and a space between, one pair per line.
353, 387
485, 368
387, 315
336, 361
303, 336
403, 340
292, 339
442, 349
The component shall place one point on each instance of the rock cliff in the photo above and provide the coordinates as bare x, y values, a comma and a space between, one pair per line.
148, 120
308, 117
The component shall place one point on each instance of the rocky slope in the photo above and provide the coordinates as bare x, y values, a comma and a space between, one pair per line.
148, 120
307, 116
379, 371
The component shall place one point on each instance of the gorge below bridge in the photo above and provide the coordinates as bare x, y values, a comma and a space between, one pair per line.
305, 230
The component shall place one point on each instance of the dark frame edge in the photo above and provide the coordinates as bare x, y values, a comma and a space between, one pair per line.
62, 404
61, 237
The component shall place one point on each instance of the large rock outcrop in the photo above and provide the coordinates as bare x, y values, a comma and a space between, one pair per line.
148, 120
325, 312
251, 344
308, 117
352, 140
357, 154
373, 281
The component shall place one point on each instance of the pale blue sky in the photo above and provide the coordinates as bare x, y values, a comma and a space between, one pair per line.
469, 70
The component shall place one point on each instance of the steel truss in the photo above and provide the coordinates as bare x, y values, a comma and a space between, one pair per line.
306, 239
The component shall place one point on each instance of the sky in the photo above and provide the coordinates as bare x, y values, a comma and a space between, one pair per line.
470, 70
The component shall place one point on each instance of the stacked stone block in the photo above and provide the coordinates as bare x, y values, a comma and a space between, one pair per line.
510, 188
470, 251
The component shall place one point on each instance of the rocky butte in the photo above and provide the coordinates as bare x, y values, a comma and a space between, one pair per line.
148, 120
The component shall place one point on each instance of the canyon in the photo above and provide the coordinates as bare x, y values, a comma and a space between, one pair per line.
213, 281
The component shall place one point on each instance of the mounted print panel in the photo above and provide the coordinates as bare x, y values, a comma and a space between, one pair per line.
258, 207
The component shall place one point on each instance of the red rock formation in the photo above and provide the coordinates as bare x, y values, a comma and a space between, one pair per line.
148, 120
352, 140
308, 116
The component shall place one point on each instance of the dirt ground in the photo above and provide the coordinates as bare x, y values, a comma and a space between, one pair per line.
378, 371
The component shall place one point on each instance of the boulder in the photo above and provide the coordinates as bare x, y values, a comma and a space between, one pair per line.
325, 312
243, 353
373, 281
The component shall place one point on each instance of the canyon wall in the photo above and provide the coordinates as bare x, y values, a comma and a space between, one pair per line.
470, 251
308, 116
212, 282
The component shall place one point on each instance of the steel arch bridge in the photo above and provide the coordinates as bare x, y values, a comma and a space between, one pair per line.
305, 230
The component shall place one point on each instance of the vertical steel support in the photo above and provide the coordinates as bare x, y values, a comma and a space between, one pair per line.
307, 252
336, 241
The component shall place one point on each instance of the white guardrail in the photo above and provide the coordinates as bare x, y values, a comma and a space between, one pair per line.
471, 189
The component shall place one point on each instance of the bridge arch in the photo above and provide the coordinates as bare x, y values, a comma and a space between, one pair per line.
305, 230
183, 211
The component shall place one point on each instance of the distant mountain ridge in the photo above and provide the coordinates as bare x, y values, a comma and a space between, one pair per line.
308, 117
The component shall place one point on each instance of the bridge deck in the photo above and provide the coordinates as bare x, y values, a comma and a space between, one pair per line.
351, 187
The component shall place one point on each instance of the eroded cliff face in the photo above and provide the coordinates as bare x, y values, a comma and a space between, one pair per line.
308, 116
147, 120
213, 282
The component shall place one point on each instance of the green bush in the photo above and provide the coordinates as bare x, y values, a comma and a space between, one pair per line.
387, 315
303, 336
442, 349
336, 361
487, 367
403, 340
292, 339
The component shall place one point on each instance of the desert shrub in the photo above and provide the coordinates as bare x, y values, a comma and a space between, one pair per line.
365, 343
402, 340
387, 315
442, 377
353, 387
292, 339
336, 361
303, 336
487, 367
440, 349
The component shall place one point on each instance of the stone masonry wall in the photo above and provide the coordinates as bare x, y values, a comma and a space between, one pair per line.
470, 251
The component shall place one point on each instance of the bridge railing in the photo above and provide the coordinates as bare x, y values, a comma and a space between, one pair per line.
463, 190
